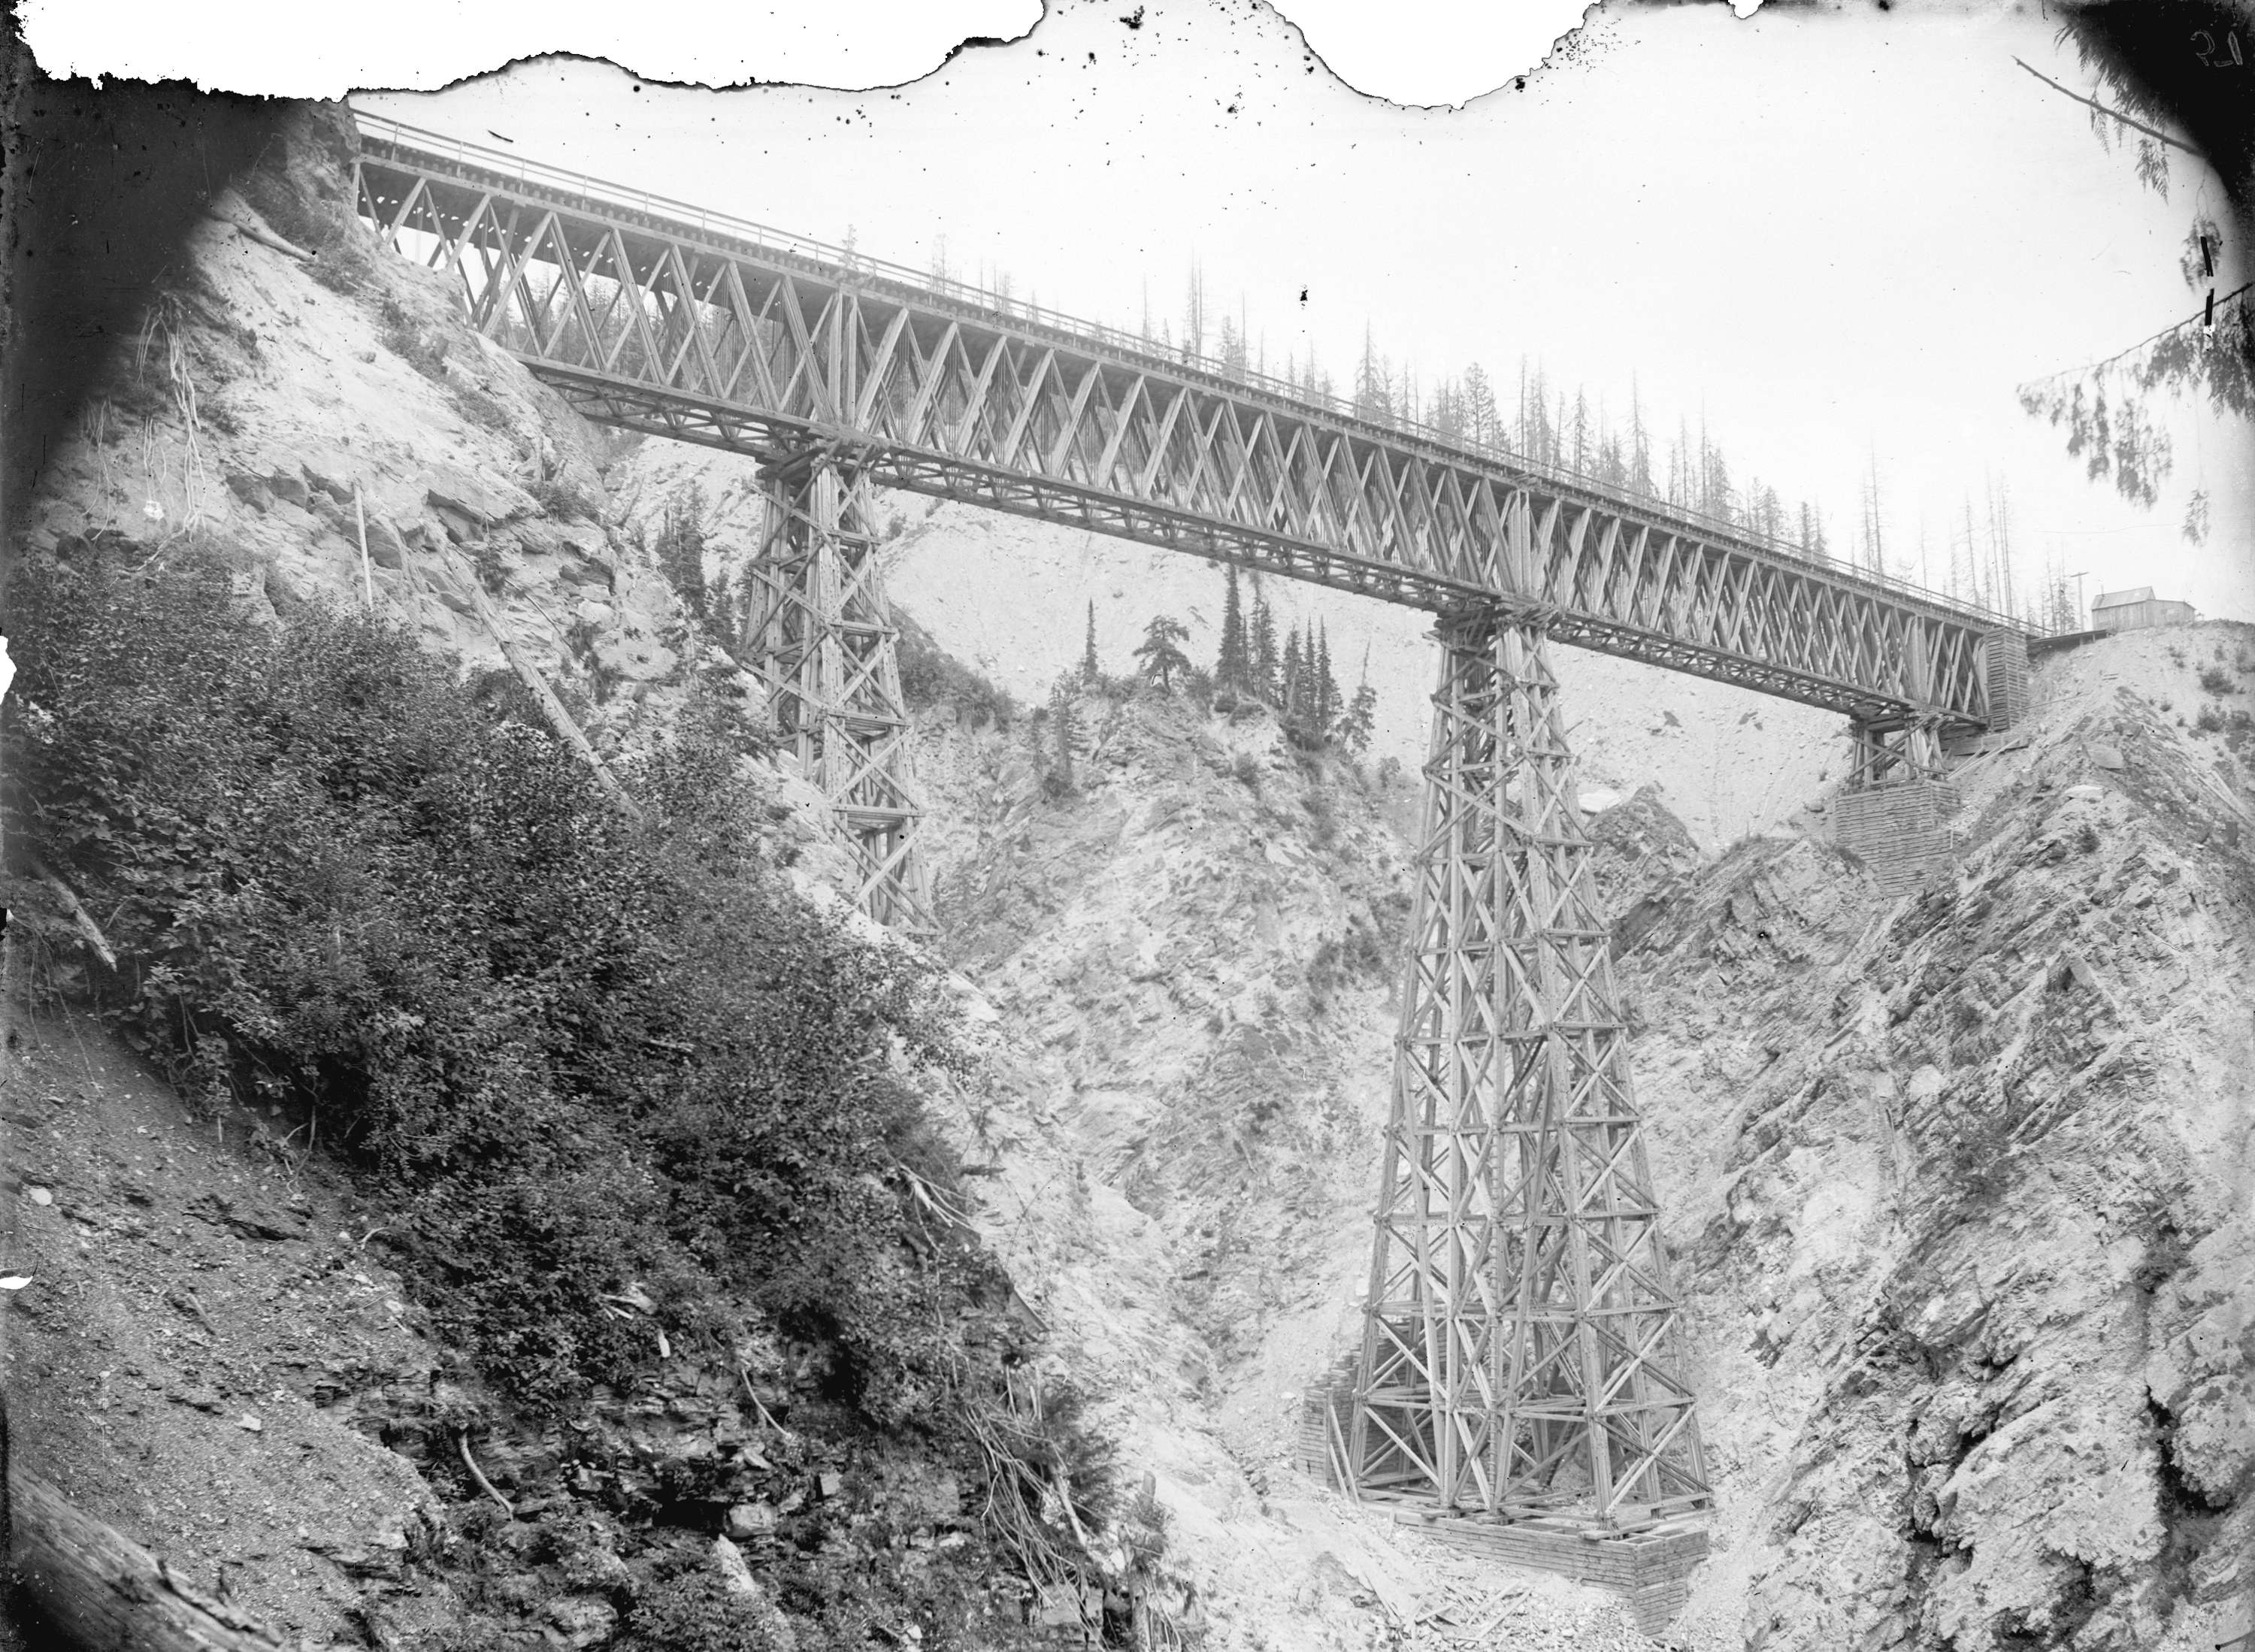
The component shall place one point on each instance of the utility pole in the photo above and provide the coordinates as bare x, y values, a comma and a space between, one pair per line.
2082, 613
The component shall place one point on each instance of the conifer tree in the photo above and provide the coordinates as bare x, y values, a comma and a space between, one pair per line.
1812, 531
1230, 350
1089, 671
1231, 668
1327, 703
1482, 422
1374, 383
1289, 698
1059, 778
1159, 651
1264, 648
1360, 719
1640, 446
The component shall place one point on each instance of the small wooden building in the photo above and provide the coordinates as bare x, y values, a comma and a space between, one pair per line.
2135, 610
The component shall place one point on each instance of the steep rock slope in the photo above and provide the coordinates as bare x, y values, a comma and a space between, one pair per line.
1971, 1177
287, 408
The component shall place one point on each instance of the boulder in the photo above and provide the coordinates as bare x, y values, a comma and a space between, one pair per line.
747, 1521
586, 572
583, 1620
460, 529
735, 1577
384, 546
252, 490
483, 501
336, 487
288, 489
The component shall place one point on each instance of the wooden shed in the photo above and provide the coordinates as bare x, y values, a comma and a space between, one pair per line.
2135, 609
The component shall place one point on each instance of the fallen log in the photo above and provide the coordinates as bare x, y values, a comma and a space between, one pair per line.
100, 1590
558, 718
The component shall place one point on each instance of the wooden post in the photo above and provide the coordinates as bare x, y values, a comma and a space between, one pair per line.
559, 718
366, 579
101, 1590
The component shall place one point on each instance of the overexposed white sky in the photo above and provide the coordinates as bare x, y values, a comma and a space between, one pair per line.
1832, 235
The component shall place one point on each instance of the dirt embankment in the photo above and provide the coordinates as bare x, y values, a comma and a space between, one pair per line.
209, 1351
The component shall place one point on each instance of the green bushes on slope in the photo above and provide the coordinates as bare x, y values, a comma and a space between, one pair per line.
581, 1055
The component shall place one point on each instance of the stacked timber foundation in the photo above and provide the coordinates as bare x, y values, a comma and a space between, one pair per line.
1650, 1570
1326, 1425
1901, 830
2005, 677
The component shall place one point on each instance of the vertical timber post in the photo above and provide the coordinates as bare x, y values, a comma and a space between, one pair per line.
1520, 1351
819, 635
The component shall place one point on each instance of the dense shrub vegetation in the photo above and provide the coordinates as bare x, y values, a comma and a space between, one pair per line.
581, 1055
931, 675
587, 1061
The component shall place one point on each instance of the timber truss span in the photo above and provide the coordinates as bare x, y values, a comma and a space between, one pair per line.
1521, 1358
657, 316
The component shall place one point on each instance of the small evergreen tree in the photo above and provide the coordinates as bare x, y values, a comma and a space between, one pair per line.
681, 547
1232, 668
1289, 696
1639, 447
1373, 383
1089, 672
1358, 721
1327, 695
1482, 422
1264, 648
1058, 781
1230, 349
1160, 650
1354, 726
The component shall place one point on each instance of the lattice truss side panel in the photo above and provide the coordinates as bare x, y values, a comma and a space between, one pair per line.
1520, 1349
673, 328
818, 634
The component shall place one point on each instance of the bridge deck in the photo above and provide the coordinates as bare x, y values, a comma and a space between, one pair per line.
659, 317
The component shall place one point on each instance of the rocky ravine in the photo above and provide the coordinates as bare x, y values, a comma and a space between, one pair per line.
278, 404
1961, 1186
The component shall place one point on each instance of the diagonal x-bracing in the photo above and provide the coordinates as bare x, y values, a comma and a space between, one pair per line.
818, 633
1518, 1351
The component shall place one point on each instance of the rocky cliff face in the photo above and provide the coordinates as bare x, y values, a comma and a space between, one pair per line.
1965, 1182
290, 408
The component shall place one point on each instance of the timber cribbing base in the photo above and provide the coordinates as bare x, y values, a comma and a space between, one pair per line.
1900, 830
1649, 1569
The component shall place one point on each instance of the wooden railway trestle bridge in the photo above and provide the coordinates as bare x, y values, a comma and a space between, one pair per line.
1521, 1358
